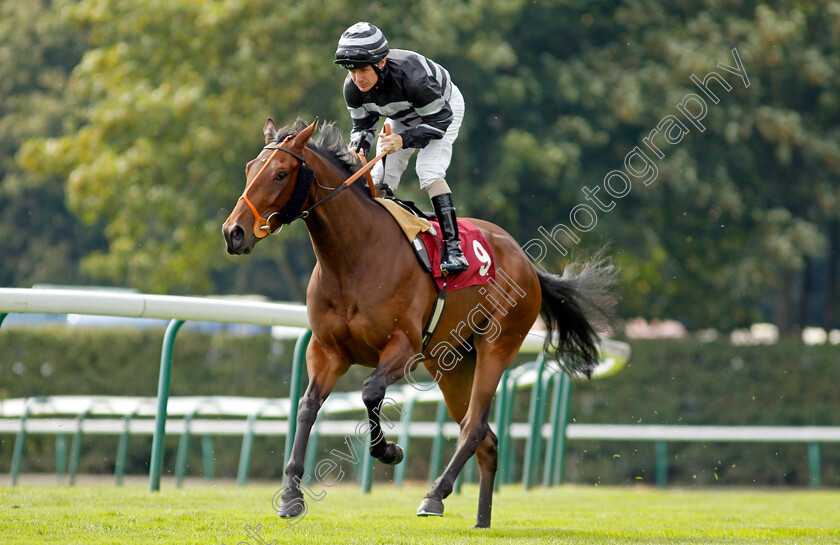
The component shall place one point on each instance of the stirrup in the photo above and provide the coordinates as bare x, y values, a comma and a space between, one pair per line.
456, 267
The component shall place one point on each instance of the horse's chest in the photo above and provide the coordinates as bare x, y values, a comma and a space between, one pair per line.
360, 333
362, 325
359, 318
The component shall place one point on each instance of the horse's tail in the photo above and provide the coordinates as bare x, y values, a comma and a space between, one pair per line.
575, 306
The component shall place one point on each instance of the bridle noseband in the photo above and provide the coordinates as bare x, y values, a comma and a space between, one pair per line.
291, 210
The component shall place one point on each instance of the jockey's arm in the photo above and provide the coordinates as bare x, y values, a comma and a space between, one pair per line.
435, 114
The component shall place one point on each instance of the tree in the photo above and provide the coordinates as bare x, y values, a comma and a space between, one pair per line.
738, 215
735, 209
40, 240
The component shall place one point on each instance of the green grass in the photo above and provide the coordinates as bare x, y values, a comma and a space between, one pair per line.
572, 514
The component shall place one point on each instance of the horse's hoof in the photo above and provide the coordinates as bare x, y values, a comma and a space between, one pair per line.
430, 507
399, 454
392, 456
291, 509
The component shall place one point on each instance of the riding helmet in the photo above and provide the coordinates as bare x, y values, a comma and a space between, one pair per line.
361, 45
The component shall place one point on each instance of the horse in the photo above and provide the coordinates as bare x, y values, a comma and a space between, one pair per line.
368, 300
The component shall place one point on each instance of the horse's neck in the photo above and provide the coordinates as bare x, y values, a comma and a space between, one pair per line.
343, 228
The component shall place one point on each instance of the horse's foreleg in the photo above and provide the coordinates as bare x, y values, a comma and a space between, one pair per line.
292, 504
324, 370
392, 362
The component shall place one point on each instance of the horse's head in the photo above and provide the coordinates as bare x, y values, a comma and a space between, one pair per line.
277, 184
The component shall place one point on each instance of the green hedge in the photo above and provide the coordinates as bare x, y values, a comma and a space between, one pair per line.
63, 361
687, 382
666, 382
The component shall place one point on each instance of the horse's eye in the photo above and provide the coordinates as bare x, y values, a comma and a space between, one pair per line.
281, 176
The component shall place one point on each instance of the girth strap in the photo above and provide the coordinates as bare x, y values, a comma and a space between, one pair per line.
434, 319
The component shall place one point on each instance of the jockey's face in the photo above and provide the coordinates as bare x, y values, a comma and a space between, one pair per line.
365, 78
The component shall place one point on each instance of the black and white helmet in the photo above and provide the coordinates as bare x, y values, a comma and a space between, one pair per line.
361, 45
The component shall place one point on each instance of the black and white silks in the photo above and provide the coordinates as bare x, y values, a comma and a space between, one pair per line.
411, 89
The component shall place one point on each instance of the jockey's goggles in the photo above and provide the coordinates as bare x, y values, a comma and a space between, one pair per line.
356, 58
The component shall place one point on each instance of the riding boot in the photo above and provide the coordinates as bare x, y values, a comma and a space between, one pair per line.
453, 259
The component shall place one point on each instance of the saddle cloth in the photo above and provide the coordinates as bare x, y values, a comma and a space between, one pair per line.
475, 247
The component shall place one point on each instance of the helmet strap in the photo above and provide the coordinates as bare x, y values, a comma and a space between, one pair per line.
379, 75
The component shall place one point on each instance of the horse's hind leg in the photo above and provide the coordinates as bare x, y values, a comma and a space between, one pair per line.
487, 455
455, 384
475, 437
324, 369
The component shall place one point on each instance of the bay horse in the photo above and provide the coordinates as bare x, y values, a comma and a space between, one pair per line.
368, 300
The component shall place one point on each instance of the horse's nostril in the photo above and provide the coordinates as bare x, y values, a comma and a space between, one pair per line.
237, 235
234, 239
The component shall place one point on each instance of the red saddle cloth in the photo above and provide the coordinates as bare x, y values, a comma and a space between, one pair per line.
476, 250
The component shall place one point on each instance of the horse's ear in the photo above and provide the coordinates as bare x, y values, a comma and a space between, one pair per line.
270, 130
303, 136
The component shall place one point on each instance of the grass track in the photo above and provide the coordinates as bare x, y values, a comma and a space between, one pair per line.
580, 515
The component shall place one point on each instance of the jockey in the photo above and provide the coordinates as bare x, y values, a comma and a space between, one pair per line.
423, 107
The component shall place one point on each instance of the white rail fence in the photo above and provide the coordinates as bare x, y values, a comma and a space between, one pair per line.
179, 309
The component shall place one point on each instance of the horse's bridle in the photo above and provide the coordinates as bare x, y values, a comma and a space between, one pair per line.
262, 226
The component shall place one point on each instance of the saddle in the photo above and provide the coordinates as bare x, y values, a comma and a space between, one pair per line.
383, 191
424, 234
412, 224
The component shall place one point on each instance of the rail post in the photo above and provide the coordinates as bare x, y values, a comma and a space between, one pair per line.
814, 464
437, 442
366, 478
60, 456
506, 455
504, 424
536, 415
156, 464
556, 444
208, 457
76, 447
405, 437
183, 447
661, 464
311, 459
245, 450
499, 413
122, 449
17, 453
565, 400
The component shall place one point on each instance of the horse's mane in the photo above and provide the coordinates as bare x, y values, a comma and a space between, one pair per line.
327, 142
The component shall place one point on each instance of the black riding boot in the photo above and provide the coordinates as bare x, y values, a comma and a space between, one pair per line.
453, 259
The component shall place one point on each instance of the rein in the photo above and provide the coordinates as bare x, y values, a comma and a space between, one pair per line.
262, 226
